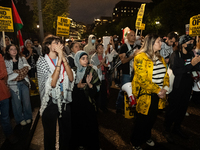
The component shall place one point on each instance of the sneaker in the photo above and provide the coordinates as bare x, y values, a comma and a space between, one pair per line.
137, 148
23, 122
150, 142
28, 121
187, 114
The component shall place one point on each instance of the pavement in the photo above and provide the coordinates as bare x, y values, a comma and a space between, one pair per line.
114, 129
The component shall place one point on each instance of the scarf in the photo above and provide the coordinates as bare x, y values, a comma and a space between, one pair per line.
80, 69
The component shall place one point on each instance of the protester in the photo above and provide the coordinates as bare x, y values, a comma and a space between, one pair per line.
37, 47
127, 66
85, 131
2, 48
4, 104
182, 63
74, 47
99, 60
150, 84
55, 79
31, 56
90, 47
166, 48
18, 82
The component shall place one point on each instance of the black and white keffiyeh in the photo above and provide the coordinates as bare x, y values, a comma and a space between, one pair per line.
44, 72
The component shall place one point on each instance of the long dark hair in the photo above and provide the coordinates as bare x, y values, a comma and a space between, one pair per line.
47, 41
7, 54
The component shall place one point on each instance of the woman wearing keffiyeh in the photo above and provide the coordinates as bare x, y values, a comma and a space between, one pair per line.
55, 79
84, 119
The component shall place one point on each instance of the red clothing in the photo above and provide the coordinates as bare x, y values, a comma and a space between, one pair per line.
4, 91
100, 57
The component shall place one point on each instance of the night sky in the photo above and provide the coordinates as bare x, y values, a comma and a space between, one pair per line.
86, 10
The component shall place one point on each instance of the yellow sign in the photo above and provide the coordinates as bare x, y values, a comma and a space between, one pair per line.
63, 26
140, 15
194, 29
128, 111
6, 21
142, 27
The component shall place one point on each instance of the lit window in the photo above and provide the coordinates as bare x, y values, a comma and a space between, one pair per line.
128, 7
113, 13
121, 10
124, 10
116, 9
124, 7
132, 11
134, 8
128, 10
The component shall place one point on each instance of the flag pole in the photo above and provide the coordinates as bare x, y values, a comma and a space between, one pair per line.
4, 42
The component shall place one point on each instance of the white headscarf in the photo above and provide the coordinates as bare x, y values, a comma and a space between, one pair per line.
80, 69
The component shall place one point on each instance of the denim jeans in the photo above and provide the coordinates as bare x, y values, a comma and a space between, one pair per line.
21, 107
120, 99
4, 117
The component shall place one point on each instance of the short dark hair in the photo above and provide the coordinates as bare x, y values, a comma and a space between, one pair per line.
47, 41
72, 45
98, 46
172, 35
7, 55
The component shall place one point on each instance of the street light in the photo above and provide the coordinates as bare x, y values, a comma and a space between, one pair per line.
38, 26
157, 22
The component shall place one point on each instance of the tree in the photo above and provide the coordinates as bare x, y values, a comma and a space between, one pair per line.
51, 9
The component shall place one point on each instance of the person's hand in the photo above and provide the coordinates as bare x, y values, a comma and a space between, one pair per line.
30, 51
81, 85
59, 50
88, 80
103, 60
162, 93
195, 60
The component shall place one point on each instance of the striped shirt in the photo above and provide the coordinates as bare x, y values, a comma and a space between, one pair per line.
159, 71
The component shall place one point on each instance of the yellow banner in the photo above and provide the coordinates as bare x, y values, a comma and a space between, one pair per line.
140, 15
6, 21
63, 26
128, 111
194, 29
142, 27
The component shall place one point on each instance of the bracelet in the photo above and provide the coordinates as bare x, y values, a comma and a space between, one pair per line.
57, 66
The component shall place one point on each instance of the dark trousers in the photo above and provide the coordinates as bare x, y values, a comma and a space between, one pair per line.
196, 97
49, 121
102, 96
178, 104
144, 123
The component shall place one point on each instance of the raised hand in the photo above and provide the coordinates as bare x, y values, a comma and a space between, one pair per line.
88, 80
81, 85
195, 60
59, 50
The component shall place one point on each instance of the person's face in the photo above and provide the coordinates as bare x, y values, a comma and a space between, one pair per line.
28, 44
53, 45
131, 36
7, 41
12, 51
35, 43
84, 60
100, 49
157, 45
188, 42
170, 42
76, 48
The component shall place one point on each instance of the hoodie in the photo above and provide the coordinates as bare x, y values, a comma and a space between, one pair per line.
90, 48
166, 50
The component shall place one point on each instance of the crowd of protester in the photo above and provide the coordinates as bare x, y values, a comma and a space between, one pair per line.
74, 82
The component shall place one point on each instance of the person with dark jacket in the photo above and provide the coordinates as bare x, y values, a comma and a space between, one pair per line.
182, 63
4, 104
31, 57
